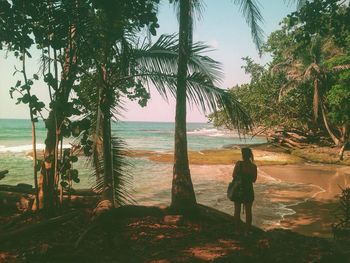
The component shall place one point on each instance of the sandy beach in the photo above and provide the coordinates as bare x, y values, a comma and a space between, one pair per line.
299, 197
316, 210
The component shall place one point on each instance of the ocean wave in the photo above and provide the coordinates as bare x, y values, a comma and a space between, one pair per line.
24, 148
211, 132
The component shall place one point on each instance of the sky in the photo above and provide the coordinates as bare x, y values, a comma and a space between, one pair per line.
222, 26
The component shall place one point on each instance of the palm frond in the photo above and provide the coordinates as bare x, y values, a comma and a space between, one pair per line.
252, 14
202, 93
210, 98
312, 70
162, 57
121, 173
341, 68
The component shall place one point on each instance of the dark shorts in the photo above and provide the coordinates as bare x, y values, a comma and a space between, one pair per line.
247, 196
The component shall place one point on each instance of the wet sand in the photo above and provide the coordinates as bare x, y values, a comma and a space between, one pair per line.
315, 210
308, 204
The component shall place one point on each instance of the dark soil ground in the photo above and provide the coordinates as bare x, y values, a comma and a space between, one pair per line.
134, 237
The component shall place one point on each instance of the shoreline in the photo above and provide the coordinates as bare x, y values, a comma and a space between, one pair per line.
280, 165
265, 154
315, 213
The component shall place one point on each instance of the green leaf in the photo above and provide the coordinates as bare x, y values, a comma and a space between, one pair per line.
74, 173
73, 159
35, 76
25, 98
64, 184
76, 180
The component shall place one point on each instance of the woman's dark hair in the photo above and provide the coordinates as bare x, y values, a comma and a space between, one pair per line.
247, 154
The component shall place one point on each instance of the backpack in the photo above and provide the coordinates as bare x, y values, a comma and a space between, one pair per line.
235, 190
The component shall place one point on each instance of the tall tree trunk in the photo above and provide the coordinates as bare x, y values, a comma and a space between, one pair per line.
325, 121
183, 196
48, 172
108, 182
345, 141
35, 161
32, 120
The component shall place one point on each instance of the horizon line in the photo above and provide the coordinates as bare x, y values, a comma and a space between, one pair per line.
199, 122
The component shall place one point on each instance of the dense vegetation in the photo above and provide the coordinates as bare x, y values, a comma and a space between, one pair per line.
93, 55
305, 88
91, 60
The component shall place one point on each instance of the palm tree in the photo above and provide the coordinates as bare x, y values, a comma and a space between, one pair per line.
183, 196
156, 64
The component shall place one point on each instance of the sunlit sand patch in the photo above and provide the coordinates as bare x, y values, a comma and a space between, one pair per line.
210, 252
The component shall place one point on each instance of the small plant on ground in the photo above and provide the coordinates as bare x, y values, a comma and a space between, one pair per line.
341, 230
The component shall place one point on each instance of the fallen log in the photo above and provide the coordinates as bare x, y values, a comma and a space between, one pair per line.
41, 226
28, 189
19, 188
297, 137
293, 143
24, 201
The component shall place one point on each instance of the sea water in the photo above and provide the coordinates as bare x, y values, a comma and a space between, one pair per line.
151, 181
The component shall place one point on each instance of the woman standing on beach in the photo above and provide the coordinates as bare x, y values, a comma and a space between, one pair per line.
247, 171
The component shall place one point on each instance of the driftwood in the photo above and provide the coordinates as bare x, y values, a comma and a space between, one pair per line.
291, 139
293, 143
297, 137
41, 226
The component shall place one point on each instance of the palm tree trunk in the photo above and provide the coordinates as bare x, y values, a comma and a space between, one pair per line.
183, 196
108, 182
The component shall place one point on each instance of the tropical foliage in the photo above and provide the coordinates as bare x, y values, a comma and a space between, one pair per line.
92, 59
305, 87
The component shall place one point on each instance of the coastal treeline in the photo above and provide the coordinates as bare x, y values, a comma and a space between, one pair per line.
305, 89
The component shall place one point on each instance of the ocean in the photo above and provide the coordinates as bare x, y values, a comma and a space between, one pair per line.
151, 182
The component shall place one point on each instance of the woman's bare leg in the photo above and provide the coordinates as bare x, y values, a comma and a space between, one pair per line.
248, 215
237, 214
